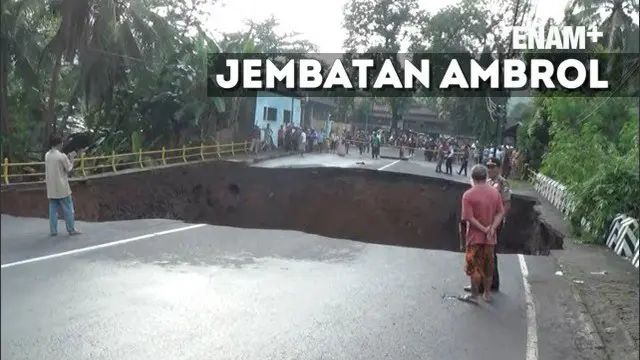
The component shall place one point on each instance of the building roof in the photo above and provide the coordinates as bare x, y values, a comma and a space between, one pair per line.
415, 113
323, 101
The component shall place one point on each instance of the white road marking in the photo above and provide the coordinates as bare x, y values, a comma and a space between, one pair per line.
532, 326
389, 165
101, 246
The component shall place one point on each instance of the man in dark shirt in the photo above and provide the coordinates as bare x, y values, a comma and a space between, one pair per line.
255, 139
465, 160
281, 136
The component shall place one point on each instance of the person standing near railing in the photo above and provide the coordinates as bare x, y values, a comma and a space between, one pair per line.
465, 160
268, 139
449, 160
57, 167
255, 139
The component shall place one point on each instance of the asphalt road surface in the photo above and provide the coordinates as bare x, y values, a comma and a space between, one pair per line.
161, 289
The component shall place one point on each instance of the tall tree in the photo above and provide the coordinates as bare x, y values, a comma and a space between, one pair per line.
380, 23
267, 39
471, 29
105, 36
384, 27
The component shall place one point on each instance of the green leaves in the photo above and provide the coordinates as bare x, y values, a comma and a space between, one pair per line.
383, 23
596, 156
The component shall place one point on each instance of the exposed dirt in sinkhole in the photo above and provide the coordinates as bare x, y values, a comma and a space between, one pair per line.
364, 205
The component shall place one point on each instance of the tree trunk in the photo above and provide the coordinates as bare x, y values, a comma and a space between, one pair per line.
395, 116
611, 32
236, 117
394, 122
5, 120
52, 126
72, 102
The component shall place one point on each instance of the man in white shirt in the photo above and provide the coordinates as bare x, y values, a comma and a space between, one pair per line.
303, 142
449, 161
500, 153
57, 167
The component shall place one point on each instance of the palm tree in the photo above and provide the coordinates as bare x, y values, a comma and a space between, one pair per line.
98, 36
21, 33
618, 18
621, 31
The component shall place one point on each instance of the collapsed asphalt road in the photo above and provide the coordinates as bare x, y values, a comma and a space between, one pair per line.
137, 290
362, 204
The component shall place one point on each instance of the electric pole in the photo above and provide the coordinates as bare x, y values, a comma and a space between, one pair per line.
500, 119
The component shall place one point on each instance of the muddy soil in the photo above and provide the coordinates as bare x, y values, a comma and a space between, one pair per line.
364, 205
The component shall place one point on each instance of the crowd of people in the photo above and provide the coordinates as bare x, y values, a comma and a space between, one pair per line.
445, 151
295, 138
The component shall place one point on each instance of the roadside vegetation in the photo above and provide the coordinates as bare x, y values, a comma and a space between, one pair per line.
590, 144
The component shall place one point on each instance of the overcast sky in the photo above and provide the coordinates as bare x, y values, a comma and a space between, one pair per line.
321, 21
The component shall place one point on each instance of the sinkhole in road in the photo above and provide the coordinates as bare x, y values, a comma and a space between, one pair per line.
356, 204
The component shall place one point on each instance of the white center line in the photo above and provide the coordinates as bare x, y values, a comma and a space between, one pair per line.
101, 246
532, 327
389, 165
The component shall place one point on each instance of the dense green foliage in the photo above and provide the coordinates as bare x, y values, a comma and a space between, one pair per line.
590, 144
119, 70
596, 157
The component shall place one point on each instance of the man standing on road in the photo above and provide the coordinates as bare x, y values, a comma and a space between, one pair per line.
375, 146
465, 160
440, 153
268, 138
255, 139
502, 185
302, 145
57, 167
449, 160
483, 212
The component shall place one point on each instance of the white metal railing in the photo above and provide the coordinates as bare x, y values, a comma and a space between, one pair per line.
621, 237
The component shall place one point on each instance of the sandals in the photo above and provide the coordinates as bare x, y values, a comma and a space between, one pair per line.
468, 298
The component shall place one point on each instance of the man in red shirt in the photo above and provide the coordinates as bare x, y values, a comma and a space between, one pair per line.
482, 210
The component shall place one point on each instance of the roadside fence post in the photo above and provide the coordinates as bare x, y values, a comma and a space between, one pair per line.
233, 150
5, 170
218, 149
140, 158
113, 161
202, 151
184, 153
82, 169
246, 147
164, 156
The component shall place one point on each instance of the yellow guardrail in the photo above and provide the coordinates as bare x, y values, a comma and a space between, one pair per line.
90, 165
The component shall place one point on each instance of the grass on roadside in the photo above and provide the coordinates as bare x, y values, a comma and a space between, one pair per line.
520, 184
